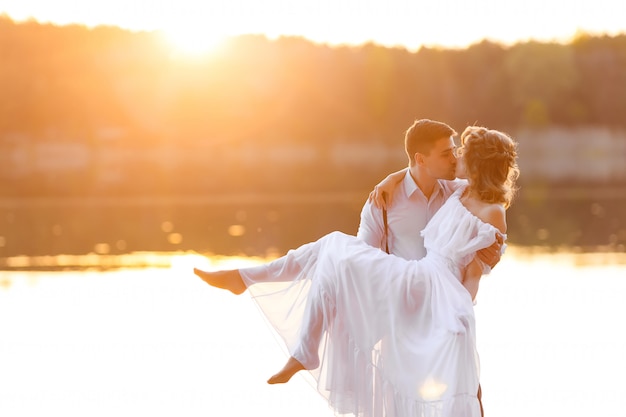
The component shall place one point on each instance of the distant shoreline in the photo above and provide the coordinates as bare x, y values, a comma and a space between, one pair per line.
139, 260
529, 192
204, 199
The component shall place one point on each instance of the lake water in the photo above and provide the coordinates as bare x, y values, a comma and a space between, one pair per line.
160, 342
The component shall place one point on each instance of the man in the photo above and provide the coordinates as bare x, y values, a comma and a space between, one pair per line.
421, 190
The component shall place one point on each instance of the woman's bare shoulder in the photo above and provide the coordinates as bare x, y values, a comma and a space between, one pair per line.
495, 214
492, 213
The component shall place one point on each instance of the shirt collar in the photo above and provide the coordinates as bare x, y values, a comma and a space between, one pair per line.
410, 186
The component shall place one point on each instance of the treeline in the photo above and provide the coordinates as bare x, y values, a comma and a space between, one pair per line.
76, 80
107, 87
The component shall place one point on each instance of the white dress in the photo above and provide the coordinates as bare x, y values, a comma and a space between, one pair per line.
383, 336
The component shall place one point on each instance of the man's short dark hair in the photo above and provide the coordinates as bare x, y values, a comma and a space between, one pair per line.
422, 135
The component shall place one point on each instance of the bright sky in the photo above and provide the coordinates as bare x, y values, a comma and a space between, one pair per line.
408, 23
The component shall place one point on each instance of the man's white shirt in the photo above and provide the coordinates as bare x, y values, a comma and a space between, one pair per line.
407, 216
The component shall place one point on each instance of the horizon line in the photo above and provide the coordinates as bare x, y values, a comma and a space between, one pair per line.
562, 40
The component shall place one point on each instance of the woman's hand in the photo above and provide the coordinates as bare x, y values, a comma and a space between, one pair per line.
383, 191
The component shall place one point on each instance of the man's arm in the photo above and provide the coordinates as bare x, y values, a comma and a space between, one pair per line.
471, 277
371, 228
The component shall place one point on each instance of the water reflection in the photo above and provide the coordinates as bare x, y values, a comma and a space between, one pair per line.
249, 224
156, 341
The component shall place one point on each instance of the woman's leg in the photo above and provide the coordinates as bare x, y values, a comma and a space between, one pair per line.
292, 266
321, 266
284, 375
284, 269
305, 355
311, 327
228, 280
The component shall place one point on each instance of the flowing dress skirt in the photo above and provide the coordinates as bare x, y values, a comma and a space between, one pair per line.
381, 335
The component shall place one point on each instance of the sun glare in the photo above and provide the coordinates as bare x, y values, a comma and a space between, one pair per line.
193, 41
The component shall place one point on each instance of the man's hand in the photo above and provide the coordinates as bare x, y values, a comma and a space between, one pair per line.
491, 255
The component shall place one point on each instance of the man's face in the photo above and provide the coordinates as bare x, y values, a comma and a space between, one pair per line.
440, 163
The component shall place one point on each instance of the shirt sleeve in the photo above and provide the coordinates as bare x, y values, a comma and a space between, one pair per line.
371, 225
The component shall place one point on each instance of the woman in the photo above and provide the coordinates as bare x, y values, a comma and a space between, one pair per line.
385, 336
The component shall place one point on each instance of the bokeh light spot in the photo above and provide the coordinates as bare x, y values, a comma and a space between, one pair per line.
175, 238
102, 248
167, 226
237, 230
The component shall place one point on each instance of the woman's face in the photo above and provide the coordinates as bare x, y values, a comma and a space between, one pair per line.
460, 164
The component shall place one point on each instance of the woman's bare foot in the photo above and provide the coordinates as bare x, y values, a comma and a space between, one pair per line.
229, 280
291, 367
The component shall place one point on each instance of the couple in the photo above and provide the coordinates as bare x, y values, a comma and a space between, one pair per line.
388, 335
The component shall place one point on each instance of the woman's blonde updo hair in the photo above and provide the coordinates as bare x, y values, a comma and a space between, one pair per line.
490, 159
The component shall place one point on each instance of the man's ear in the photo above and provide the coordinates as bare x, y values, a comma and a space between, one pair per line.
419, 158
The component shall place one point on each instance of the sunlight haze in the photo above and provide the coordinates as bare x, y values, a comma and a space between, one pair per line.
408, 24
